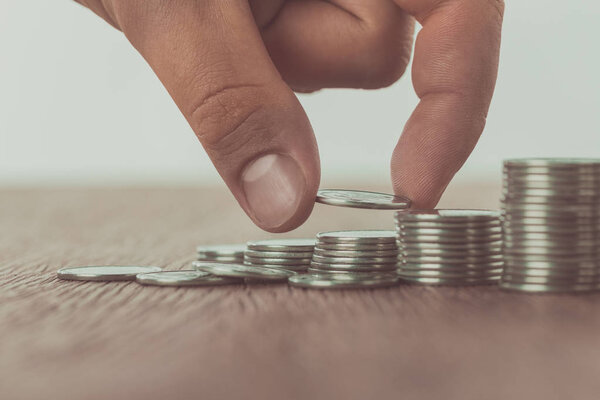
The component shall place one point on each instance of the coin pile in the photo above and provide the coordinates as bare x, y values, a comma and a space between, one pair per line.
551, 221
224, 253
369, 251
290, 254
449, 247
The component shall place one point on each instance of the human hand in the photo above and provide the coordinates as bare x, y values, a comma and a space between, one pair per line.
231, 66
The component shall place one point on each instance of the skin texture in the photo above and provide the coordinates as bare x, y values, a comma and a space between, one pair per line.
232, 66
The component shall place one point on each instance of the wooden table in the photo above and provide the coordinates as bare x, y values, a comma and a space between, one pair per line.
76, 340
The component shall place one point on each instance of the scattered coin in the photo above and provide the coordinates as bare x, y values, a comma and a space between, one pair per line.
243, 271
362, 199
104, 273
184, 278
342, 281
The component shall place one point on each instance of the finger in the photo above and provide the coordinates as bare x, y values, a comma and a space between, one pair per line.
210, 57
454, 73
339, 43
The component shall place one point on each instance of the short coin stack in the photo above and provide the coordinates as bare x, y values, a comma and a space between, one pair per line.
224, 253
551, 221
370, 251
290, 254
449, 247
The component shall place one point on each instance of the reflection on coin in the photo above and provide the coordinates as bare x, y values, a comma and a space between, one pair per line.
354, 260
243, 271
350, 253
183, 278
294, 245
342, 281
353, 247
362, 199
104, 273
277, 261
453, 260
354, 267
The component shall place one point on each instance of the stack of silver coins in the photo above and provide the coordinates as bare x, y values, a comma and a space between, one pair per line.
370, 251
551, 222
449, 247
290, 254
224, 253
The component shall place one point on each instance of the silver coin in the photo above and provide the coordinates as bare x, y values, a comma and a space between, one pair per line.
183, 278
450, 275
558, 274
564, 229
360, 236
219, 250
376, 274
278, 254
452, 233
391, 246
362, 199
221, 259
569, 264
278, 261
243, 271
104, 273
454, 226
443, 271
447, 215
283, 245
342, 281
354, 267
541, 288
355, 260
450, 260
451, 282
493, 264
451, 247
563, 238
552, 162
485, 252
361, 254
409, 238
549, 280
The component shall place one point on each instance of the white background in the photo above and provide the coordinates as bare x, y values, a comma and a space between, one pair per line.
79, 106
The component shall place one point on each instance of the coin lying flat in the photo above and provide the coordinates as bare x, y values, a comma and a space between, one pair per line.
293, 245
104, 273
362, 199
541, 288
184, 278
359, 236
342, 281
447, 215
278, 254
243, 271
350, 253
354, 260
219, 250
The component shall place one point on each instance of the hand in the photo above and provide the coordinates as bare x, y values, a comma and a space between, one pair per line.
231, 66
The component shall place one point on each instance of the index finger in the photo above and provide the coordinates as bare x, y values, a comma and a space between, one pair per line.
454, 74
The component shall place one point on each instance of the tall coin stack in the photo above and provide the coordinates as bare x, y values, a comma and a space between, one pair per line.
551, 221
369, 251
291, 254
449, 247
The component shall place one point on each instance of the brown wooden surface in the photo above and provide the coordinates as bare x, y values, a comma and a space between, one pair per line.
74, 340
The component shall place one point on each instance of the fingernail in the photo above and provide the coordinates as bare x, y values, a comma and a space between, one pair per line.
273, 185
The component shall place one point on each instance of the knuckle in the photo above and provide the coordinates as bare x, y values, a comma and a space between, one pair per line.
227, 118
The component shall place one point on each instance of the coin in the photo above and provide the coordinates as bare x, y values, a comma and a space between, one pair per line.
447, 215
450, 260
350, 253
541, 288
391, 246
410, 238
294, 245
354, 267
277, 261
451, 275
354, 260
361, 236
243, 271
492, 264
342, 281
104, 273
183, 278
451, 282
233, 250
424, 252
361, 199
278, 254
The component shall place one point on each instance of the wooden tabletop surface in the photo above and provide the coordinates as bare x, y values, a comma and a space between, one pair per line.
78, 340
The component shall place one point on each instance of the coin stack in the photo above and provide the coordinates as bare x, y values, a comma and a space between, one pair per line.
224, 253
449, 247
290, 254
551, 221
370, 251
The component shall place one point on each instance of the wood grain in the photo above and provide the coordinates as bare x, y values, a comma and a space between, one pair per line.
75, 340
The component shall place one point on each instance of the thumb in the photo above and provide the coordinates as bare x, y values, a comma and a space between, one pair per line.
210, 57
